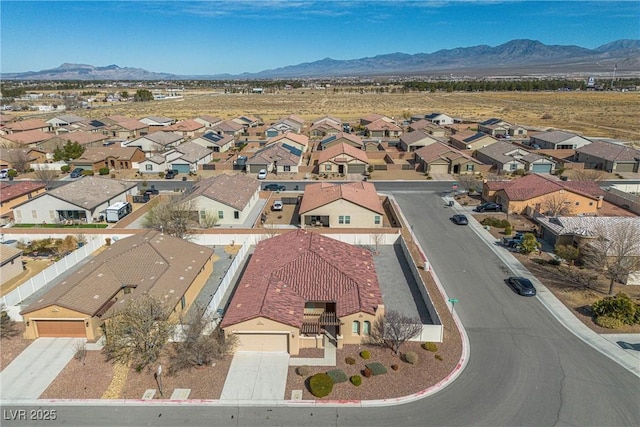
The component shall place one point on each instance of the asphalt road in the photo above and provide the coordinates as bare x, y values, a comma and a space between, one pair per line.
524, 367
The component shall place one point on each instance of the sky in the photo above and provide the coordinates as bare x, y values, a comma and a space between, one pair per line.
236, 36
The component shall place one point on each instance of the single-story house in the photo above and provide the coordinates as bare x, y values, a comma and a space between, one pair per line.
168, 268
20, 158
208, 121
247, 121
187, 128
412, 141
296, 286
339, 138
606, 156
228, 127
558, 140
228, 197
155, 142
584, 230
342, 158
349, 205
29, 138
383, 129
324, 129
112, 157
277, 158
546, 195
154, 164
291, 123
439, 158
370, 118
86, 139
157, 121
494, 127
131, 128
439, 119
507, 157
64, 120
214, 141
296, 141
188, 157
24, 126
84, 199
10, 262
13, 194
471, 140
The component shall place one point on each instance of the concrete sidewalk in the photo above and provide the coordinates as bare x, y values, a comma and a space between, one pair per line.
628, 358
329, 358
29, 375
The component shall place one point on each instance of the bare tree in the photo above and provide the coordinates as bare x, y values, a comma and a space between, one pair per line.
378, 239
469, 183
588, 175
615, 251
556, 205
200, 346
174, 216
136, 333
269, 228
19, 159
208, 220
394, 329
46, 176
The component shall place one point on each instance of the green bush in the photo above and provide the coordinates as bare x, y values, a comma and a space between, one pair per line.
508, 230
103, 171
519, 172
87, 172
411, 357
365, 354
503, 223
430, 346
350, 360
337, 376
554, 261
320, 385
65, 169
303, 370
160, 174
617, 307
495, 222
609, 322
356, 380
377, 368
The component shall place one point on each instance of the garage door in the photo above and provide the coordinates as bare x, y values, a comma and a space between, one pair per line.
262, 342
435, 168
356, 168
541, 168
181, 168
61, 328
625, 167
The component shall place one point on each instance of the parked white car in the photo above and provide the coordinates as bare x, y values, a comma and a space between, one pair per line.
277, 205
262, 174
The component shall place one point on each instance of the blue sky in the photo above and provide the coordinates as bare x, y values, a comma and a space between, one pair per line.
202, 37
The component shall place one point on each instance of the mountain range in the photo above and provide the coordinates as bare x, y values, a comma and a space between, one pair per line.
514, 58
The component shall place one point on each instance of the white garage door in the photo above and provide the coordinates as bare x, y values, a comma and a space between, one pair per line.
262, 342
435, 168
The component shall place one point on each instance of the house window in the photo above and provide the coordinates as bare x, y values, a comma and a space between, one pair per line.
355, 328
590, 203
220, 214
286, 168
513, 167
367, 328
236, 215
203, 214
344, 219
183, 302
470, 167
577, 203
376, 220
148, 167
327, 167
34, 214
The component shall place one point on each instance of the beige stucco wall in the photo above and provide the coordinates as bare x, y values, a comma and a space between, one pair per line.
5, 208
360, 217
56, 312
578, 204
262, 325
213, 207
11, 269
346, 327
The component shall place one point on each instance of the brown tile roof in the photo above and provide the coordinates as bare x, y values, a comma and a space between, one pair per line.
7, 253
382, 124
98, 154
274, 153
295, 137
91, 191
438, 150
118, 119
185, 126
609, 151
359, 193
152, 263
83, 138
228, 126
9, 192
25, 125
535, 185
372, 117
28, 137
192, 152
162, 137
132, 124
234, 190
331, 153
10, 154
290, 269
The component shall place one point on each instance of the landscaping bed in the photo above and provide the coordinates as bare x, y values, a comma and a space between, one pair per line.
12, 347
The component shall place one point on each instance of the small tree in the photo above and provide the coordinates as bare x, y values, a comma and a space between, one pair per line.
209, 220
136, 333
568, 253
103, 171
19, 159
46, 176
143, 95
468, 182
173, 215
70, 150
556, 205
529, 243
394, 329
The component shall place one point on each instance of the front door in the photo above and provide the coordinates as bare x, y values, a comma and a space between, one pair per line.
340, 168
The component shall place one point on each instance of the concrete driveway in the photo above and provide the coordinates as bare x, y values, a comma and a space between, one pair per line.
256, 376
29, 375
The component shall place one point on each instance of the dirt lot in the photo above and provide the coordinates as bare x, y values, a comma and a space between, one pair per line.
10, 348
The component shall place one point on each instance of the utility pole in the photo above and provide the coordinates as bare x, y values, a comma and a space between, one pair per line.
615, 67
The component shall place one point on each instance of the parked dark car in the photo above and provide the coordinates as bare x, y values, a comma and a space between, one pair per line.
460, 219
274, 187
522, 285
77, 173
152, 191
171, 173
489, 207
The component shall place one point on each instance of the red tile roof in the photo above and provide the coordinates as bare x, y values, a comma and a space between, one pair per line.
535, 185
295, 137
382, 124
297, 267
359, 193
12, 191
28, 137
24, 125
185, 126
330, 153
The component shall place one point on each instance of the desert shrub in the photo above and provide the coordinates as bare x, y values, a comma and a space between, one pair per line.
547, 116
160, 174
508, 230
503, 223
350, 360
356, 380
303, 370
554, 261
438, 357
87, 172
618, 307
367, 372
337, 376
377, 368
65, 168
395, 367
320, 385
365, 354
80, 349
495, 222
609, 322
411, 357
103, 171
430, 346
519, 172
